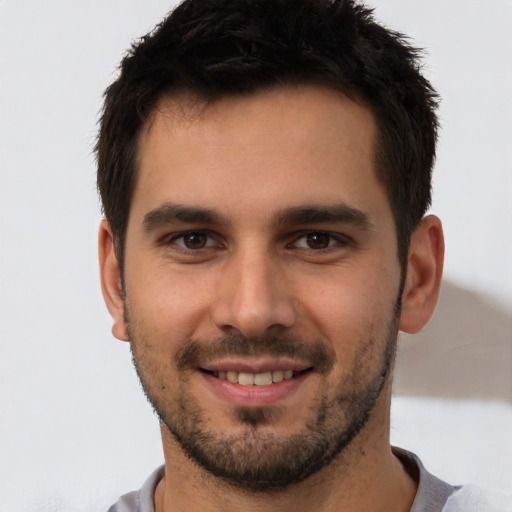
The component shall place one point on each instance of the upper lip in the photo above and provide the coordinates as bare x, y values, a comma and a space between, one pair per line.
254, 365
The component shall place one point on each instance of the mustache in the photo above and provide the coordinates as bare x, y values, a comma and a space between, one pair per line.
317, 353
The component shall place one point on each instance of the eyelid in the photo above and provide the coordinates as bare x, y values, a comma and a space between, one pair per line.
171, 239
209, 243
338, 239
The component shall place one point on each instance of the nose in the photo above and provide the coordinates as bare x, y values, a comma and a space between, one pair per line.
253, 296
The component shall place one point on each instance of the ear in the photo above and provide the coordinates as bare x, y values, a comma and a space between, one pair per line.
111, 280
424, 272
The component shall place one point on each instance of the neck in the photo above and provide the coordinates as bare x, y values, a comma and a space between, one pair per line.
365, 476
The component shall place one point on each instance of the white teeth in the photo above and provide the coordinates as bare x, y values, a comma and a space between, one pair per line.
277, 376
254, 379
246, 379
263, 379
232, 376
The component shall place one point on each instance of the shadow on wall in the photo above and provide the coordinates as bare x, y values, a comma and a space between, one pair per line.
464, 352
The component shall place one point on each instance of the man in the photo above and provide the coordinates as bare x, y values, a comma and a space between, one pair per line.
264, 168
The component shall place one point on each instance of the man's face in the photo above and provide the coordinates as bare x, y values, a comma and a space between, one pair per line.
262, 280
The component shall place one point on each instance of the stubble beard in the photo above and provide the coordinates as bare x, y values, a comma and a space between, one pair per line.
255, 458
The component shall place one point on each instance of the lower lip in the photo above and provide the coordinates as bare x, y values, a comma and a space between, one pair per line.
254, 396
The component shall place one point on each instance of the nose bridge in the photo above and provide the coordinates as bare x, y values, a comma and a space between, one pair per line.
253, 295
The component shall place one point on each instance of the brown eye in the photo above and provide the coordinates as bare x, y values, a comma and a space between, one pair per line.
193, 240
318, 240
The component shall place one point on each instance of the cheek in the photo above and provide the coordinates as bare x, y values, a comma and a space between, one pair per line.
171, 305
351, 307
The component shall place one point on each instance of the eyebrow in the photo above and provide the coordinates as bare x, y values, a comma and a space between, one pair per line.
339, 213
171, 212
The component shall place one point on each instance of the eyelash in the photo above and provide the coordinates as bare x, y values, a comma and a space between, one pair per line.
333, 241
173, 240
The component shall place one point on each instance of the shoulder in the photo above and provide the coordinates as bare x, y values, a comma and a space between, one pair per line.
141, 500
471, 498
435, 495
127, 503
432, 493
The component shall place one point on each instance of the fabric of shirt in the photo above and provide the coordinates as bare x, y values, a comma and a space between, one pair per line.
433, 495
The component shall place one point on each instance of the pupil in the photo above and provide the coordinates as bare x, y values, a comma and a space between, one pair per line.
318, 240
195, 241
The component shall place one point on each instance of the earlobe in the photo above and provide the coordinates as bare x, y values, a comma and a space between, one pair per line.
424, 273
111, 280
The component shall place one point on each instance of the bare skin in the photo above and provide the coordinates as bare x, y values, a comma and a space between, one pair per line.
218, 244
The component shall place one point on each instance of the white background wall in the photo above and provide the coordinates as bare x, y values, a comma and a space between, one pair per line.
75, 430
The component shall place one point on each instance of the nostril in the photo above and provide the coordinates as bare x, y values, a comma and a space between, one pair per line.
250, 304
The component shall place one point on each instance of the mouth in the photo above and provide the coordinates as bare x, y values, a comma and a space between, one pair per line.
266, 378
255, 382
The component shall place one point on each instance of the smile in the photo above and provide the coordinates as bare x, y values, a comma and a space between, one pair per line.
260, 388
255, 379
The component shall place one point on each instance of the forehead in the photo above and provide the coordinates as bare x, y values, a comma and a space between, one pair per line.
279, 148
